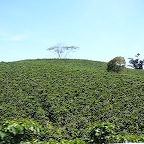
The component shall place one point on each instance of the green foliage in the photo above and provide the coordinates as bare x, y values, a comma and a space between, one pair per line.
102, 133
75, 141
116, 65
129, 138
67, 96
53, 141
15, 131
107, 132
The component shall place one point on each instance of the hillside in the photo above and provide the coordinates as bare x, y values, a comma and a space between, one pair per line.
68, 96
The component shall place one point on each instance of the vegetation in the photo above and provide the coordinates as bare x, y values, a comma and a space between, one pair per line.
136, 63
117, 64
13, 132
102, 133
61, 50
68, 98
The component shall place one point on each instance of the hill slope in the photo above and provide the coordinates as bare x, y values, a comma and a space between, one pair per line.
71, 95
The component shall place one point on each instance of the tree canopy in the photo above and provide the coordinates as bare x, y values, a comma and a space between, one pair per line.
117, 64
62, 50
136, 63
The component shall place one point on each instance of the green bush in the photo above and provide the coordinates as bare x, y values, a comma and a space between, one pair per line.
16, 131
108, 133
53, 141
129, 138
102, 133
116, 65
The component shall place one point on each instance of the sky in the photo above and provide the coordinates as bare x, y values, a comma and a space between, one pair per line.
102, 29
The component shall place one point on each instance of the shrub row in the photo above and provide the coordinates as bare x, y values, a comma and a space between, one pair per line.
66, 96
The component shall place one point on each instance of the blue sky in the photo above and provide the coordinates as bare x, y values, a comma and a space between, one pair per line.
103, 29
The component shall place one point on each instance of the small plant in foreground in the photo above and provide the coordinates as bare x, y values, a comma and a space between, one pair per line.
14, 132
102, 133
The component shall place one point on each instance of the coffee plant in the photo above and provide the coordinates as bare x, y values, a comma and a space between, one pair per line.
67, 96
14, 132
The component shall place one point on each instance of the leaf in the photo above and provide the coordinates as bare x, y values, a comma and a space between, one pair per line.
2, 135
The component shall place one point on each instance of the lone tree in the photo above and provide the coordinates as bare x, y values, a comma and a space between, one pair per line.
117, 64
62, 50
136, 63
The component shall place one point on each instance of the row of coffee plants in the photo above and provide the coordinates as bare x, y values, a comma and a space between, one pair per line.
30, 132
67, 96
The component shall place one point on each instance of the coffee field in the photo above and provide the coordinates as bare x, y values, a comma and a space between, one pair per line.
67, 97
